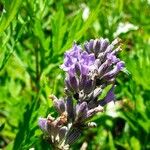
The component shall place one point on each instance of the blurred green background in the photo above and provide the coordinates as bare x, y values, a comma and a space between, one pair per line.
34, 34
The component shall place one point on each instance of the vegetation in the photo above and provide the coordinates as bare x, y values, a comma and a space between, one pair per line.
33, 38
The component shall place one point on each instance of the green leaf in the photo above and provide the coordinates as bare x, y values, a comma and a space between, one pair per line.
2, 126
11, 12
59, 28
111, 142
135, 143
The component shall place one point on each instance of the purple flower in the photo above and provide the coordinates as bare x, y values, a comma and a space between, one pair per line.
107, 64
96, 46
120, 65
43, 124
112, 58
78, 65
77, 62
89, 71
73, 82
59, 104
81, 111
112, 73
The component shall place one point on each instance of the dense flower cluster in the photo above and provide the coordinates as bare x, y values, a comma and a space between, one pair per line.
89, 71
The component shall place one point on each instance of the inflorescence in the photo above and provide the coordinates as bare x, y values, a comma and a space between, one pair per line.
89, 70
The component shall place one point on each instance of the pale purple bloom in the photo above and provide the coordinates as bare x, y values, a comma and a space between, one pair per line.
120, 65
89, 71
112, 58
77, 61
81, 112
112, 73
42, 122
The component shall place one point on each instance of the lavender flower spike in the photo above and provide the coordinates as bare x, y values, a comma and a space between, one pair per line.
89, 70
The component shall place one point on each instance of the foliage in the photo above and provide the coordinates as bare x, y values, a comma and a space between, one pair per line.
33, 37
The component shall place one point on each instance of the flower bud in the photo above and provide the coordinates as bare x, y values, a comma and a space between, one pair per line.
81, 111
42, 122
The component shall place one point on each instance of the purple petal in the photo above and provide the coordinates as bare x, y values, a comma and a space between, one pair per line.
112, 58
74, 83
109, 49
84, 58
42, 122
81, 111
89, 46
71, 71
102, 69
70, 109
120, 65
91, 43
67, 82
83, 79
91, 59
96, 46
84, 70
60, 105
68, 61
104, 44
88, 86
78, 68
86, 46
76, 51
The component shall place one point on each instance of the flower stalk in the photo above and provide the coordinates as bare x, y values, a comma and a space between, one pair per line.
89, 70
